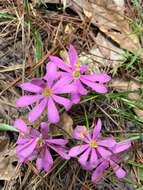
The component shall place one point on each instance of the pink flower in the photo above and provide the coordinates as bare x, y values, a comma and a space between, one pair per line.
32, 144
93, 148
47, 94
76, 74
112, 162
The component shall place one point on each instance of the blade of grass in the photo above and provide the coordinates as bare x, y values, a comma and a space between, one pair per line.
6, 16
38, 46
5, 127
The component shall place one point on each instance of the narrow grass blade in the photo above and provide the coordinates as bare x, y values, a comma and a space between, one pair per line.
6, 16
38, 46
5, 127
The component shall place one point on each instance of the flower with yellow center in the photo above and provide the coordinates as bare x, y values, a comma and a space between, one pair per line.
93, 144
47, 92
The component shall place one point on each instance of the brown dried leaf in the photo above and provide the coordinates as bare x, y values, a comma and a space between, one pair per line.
107, 55
64, 127
67, 125
4, 141
7, 169
107, 17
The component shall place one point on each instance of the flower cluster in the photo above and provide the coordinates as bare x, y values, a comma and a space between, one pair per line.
96, 153
63, 85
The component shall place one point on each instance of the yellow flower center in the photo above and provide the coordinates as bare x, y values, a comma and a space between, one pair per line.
47, 92
82, 133
93, 144
76, 74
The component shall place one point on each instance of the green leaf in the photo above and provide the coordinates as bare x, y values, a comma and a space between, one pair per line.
5, 127
38, 46
6, 16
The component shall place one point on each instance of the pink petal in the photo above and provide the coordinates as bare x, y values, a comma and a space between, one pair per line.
28, 86
53, 115
61, 142
103, 152
75, 151
99, 77
51, 73
34, 133
22, 140
63, 74
97, 129
27, 149
93, 157
80, 88
44, 128
27, 100
44, 162
72, 56
38, 82
60, 63
37, 110
99, 171
65, 89
63, 101
100, 88
60, 151
47, 160
21, 126
120, 173
75, 98
39, 164
65, 80
107, 143
122, 146
83, 68
84, 157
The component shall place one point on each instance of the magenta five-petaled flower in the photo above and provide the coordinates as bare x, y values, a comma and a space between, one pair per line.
48, 93
76, 74
112, 161
93, 147
35, 145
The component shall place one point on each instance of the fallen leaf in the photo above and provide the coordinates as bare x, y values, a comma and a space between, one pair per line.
67, 125
4, 141
107, 17
64, 127
105, 55
7, 165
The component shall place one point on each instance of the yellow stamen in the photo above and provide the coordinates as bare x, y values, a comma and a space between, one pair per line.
82, 133
77, 66
47, 92
93, 144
